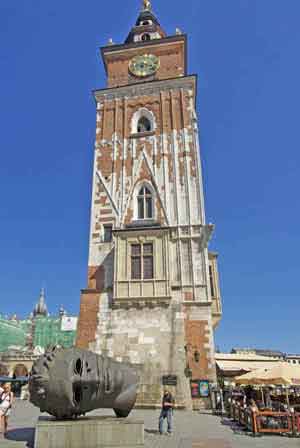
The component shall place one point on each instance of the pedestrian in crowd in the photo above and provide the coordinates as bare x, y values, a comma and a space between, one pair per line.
6, 399
268, 399
168, 403
253, 406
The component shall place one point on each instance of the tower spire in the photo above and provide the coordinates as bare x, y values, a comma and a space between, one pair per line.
40, 308
146, 5
147, 26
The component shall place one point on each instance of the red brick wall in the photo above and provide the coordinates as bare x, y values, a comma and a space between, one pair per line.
172, 63
196, 338
88, 318
96, 277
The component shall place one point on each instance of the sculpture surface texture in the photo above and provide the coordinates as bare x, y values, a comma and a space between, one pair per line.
68, 383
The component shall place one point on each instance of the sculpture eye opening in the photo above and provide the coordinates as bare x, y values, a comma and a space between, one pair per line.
78, 367
107, 381
77, 394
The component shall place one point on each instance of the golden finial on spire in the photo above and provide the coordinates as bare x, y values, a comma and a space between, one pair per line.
147, 5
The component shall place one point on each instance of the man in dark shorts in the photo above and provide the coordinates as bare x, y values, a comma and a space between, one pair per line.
168, 404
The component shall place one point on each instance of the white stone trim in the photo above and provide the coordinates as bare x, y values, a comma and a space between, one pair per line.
99, 175
145, 88
143, 156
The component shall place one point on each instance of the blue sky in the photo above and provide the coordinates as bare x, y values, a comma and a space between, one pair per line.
246, 53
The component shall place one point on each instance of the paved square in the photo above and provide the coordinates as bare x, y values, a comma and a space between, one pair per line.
211, 444
191, 430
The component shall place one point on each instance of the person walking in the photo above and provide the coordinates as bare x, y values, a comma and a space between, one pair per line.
6, 399
168, 404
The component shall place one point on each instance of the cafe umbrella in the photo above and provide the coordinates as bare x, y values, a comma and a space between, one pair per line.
282, 374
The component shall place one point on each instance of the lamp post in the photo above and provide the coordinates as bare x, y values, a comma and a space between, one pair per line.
196, 356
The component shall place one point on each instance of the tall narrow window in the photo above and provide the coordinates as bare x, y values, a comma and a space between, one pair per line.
145, 204
136, 261
107, 233
211, 280
148, 261
144, 125
142, 261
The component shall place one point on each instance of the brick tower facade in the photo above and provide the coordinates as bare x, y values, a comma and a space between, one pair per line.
152, 296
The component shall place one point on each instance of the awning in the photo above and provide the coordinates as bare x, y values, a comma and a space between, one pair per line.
280, 374
8, 379
243, 366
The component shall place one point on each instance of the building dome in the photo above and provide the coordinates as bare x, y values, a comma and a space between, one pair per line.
40, 308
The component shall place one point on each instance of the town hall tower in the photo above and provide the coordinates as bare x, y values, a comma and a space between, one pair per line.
152, 297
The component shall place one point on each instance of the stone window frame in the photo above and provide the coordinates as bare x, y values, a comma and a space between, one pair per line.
138, 188
145, 203
141, 256
140, 113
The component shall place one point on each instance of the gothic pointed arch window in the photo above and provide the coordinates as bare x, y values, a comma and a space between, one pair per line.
145, 203
143, 121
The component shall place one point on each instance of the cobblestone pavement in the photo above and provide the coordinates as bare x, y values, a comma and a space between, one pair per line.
191, 430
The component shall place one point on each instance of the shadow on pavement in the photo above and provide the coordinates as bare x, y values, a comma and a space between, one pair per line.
203, 412
205, 443
22, 435
152, 431
235, 427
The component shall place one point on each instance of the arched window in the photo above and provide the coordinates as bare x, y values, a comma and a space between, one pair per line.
146, 22
144, 125
145, 203
146, 36
143, 120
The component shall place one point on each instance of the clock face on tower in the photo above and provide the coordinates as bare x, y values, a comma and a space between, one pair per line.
144, 65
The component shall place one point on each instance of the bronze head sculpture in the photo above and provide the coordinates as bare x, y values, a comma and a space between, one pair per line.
67, 383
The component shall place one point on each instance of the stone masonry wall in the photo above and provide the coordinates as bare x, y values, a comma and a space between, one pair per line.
152, 340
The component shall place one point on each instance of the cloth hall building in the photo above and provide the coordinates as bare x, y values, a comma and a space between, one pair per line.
152, 295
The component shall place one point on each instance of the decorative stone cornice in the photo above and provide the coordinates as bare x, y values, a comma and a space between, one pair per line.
146, 88
204, 234
191, 303
141, 302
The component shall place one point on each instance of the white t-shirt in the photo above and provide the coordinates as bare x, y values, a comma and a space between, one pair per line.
5, 399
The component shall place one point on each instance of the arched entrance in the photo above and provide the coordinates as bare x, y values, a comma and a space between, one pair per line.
20, 370
3, 370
